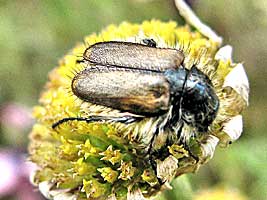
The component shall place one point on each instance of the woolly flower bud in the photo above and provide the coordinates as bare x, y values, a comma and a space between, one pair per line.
109, 160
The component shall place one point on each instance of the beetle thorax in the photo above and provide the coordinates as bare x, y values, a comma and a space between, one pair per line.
195, 103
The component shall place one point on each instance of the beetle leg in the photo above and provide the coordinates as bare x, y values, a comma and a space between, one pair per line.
125, 119
151, 160
187, 148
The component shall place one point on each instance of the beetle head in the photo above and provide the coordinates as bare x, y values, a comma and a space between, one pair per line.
199, 102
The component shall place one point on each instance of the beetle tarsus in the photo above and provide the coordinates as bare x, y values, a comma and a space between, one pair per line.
149, 42
80, 61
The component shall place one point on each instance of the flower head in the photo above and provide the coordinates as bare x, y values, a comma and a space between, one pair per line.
109, 160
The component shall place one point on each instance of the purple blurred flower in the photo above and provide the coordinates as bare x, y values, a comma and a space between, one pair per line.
15, 115
14, 179
15, 121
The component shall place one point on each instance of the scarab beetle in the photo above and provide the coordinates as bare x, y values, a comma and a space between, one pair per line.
148, 82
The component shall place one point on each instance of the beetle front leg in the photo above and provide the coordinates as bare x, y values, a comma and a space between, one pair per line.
125, 119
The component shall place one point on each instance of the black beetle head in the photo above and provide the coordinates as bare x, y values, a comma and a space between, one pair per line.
200, 103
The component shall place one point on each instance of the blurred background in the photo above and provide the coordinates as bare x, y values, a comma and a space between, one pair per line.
34, 34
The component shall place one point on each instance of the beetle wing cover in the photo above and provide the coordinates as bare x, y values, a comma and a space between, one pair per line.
136, 91
133, 55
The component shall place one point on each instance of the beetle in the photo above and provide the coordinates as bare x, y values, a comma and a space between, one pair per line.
146, 81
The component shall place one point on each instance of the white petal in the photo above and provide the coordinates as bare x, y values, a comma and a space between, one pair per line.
234, 127
190, 17
32, 178
112, 197
58, 192
65, 196
135, 195
166, 169
45, 188
208, 145
238, 80
224, 53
